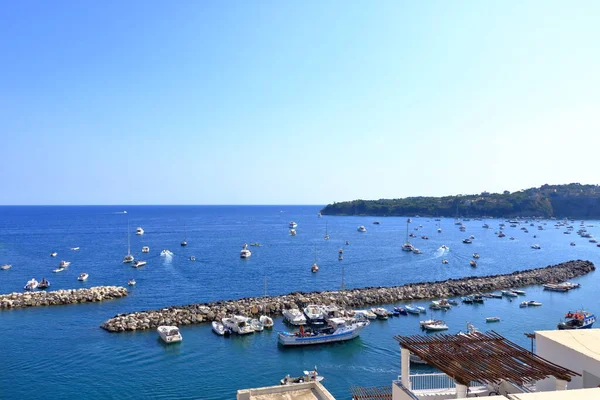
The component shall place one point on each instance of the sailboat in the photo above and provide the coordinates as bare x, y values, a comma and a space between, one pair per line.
407, 246
439, 229
128, 258
326, 234
184, 241
315, 267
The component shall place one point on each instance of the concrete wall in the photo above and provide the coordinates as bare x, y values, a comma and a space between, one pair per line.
565, 357
318, 390
399, 392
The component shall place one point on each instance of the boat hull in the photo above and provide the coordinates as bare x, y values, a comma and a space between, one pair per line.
289, 339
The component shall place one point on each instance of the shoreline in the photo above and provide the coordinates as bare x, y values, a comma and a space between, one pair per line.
61, 297
350, 298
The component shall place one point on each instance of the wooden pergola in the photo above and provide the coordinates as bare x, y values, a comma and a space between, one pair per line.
371, 393
483, 357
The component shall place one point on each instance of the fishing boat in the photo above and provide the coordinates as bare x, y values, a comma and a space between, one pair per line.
31, 285
5, 267
294, 316
309, 376
139, 263
53, 254
131, 282
381, 313
436, 326
238, 324
492, 319
145, 249
139, 231
245, 253
169, 334
412, 309
220, 329
44, 284
361, 229
339, 329
82, 277
266, 321
578, 320
314, 315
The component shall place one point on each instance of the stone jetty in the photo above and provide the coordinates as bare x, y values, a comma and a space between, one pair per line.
352, 298
60, 297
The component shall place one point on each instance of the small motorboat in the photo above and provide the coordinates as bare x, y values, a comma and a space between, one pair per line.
314, 268
60, 269
509, 293
473, 263
192, 258
292, 232
53, 254
492, 319
31, 285
536, 246
82, 277
444, 261
293, 225
381, 313
453, 302
416, 251
436, 326
5, 267
44, 284
256, 244
169, 334
424, 237
309, 376
523, 304
131, 282
368, 314
245, 253
572, 243
361, 229
520, 292
471, 237
421, 309
346, 243
376, 222
475, 255
294, 316
467, 241
145, 249
139, 231
266, 321
401, 310
166, 253
220, 329
64, 264
74, 248
428, 322
412, 309
139, 263
183, 243
256, 325
533, 303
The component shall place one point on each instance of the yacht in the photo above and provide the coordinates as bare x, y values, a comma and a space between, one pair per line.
407, 246
293, 225
245, 253
314, 315
5, 267
82, 277
64, 264
266, 321
169, 334
294, 316
131, 282
145, 249
361, 229
509, 293
533, 303
139, 231
31, 285
44, 284
292, 232
139, 263
220, 329
238, 324
128, 258
53, 254
338, 329
368, 314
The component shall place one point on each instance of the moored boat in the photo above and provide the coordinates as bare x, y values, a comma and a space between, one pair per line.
53, 254
31, 284
169, 334
145, 249
579, 319
82, 277
220, 329
314, 314
64, 264
5, 267
139, 231
381, 313
412, 309
44, 284
533, 303
238, 324
339, 329
294, 316
139, 263
436, 326
509, 293
245, 253
361, 229
266, 321
131, 282
492, 319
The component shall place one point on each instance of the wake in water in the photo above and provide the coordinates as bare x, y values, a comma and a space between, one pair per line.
120, 212
167, 255
441, 251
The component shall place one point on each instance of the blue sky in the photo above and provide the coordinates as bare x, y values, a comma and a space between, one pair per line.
289, 102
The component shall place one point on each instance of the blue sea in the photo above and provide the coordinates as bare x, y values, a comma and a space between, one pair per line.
61, 352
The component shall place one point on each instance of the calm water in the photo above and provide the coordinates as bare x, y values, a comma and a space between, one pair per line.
60, 352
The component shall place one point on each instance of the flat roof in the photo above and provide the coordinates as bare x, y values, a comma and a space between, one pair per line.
299, 391
584, 341
576, 394
302, 394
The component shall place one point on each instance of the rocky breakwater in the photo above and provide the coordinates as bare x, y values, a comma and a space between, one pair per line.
60, 297
352, 298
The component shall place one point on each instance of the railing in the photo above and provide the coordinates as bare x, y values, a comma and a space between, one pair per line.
434, 382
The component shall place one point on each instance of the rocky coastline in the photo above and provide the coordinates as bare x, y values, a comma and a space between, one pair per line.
352, 298
61, 297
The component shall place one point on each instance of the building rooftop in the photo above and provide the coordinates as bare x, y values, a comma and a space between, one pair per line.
584, 341
578, 394
299, 391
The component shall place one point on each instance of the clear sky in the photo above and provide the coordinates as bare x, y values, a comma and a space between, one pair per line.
294, 102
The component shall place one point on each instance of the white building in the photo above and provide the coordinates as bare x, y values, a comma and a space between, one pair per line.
298, 391
577, 350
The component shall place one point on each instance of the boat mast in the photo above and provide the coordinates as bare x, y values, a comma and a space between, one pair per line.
128, 240
407, 222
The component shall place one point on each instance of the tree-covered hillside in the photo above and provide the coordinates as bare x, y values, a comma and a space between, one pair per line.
573, 200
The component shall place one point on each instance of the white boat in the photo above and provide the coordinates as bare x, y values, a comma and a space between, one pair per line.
361, 229
368, 314
131, 282
509, 293
166, 253
5, 267
326, 234
145, 249
238, 324
139, 263
266, 321
60, 269
436, 326
428, 322
74, 248
444, 261
53, 254
492, 319
416, 251
315, 267
381, 313
517, 291
294, 316
64, 264
31, 285
292, 232
245, 253
192, 258
82, 277
309, 376
523, 304
256, 325
533, 303
293, 225
128, 257
169, 334
220, 329
139, 231
407, 246
314, 315
339, 329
